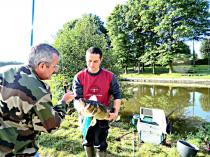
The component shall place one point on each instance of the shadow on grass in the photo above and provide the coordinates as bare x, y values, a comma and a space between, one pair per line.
184, 126
60, 143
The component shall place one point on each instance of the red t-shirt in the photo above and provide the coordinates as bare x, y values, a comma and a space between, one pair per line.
96, 84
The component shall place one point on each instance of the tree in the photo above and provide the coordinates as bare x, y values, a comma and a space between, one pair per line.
205, 48
120, 39
76, 37
179, 20
9, 63
198, 21
149, 31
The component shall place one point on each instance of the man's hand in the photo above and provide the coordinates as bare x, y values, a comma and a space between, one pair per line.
112, 116
79, 104
68, 97
116, 107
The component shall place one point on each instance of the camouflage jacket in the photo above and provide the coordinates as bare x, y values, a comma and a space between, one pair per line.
25, 110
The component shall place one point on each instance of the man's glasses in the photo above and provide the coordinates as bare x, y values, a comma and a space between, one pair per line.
56, 67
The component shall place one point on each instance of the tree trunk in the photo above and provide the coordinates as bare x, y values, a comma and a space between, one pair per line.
126, 70
142, 68
170, 91
170, 68
153, 68
139, 68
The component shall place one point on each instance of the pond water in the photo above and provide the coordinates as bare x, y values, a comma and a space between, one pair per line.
174, 100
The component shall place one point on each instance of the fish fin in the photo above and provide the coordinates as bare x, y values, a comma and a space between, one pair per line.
118, 118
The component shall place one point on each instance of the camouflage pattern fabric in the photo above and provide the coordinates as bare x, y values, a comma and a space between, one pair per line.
25, 110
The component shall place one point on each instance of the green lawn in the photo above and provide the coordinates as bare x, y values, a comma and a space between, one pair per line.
187, 71
164, 75
66, 142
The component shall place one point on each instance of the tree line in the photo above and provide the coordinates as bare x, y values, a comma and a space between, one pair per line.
138, 33
9, 63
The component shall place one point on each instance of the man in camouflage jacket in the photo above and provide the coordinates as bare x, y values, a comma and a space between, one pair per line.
26, 104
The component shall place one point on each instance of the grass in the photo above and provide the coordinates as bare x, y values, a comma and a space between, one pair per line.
181, 71
173, 75
66, 141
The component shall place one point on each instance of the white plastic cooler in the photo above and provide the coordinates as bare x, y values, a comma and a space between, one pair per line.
151, 125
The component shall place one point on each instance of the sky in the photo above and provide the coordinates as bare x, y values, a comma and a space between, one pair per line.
50, 15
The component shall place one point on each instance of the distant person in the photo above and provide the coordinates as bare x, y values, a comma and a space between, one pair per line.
100, 84
26, 103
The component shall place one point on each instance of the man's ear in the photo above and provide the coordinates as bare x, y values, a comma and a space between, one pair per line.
41, 66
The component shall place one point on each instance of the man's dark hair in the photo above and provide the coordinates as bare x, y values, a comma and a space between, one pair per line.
95, 50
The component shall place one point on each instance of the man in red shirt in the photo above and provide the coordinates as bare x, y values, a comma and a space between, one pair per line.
101, 84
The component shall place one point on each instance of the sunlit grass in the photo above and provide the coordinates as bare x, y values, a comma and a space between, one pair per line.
181, 71
66, 142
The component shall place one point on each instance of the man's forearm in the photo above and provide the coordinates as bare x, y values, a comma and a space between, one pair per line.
116, 106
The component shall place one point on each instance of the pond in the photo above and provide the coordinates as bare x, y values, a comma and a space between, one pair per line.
174, 100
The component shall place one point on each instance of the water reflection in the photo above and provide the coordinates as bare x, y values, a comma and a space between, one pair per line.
181, 101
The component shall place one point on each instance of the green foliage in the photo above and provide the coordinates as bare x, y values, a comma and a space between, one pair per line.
181, 54
152, 31
203, 131
192, 130
56, 87
205, 48
76, 37
117, 30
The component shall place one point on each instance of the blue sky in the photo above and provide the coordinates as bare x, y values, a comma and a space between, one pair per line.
50, 15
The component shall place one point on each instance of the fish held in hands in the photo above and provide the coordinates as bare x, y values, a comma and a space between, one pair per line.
94, 109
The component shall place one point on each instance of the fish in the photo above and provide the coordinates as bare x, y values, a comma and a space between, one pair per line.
94, 109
